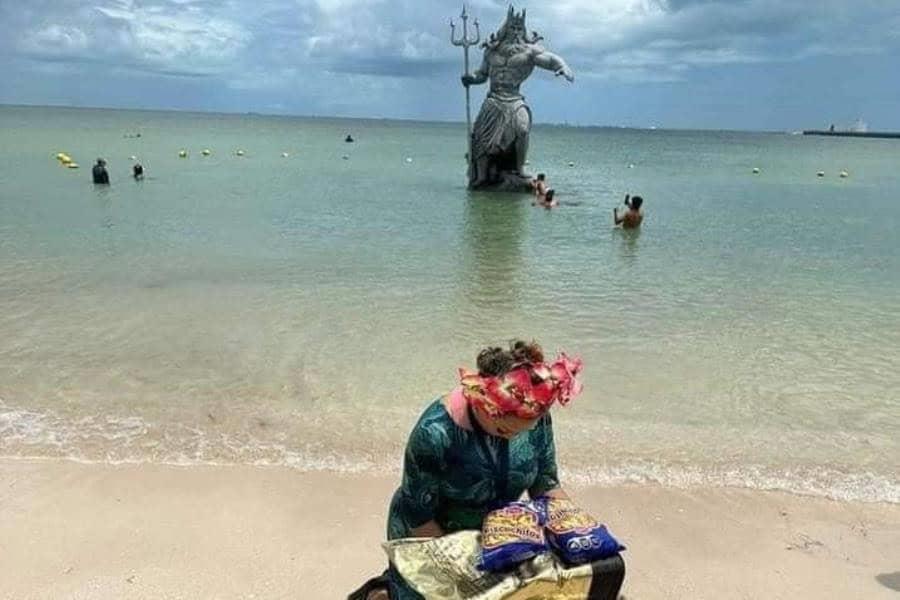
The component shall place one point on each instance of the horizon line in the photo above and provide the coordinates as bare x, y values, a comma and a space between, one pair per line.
376, 118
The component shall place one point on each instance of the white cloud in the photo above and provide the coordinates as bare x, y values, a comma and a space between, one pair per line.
172, 36
184, 39
662, 39
268, 43
56, 40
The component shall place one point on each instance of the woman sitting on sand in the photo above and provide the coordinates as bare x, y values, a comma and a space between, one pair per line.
479, 447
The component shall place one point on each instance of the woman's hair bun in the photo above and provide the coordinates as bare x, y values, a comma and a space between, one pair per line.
530, 352
495, 361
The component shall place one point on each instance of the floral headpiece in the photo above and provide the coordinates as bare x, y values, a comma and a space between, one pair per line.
527, 391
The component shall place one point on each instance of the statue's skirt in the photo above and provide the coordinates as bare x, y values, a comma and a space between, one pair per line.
497, 126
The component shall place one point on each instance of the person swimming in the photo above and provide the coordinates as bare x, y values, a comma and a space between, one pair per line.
138, 171
99, 173
348, 139
549, 199
539, 185
633, 217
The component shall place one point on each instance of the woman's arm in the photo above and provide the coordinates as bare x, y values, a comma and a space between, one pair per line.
558, 493
423, 465
547, 480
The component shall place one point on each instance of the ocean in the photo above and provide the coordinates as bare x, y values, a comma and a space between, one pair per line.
303, 310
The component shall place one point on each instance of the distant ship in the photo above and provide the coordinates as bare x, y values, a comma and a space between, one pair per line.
859, 129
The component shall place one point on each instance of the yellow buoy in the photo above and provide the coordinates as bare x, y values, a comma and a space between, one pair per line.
66, 160
182, 153
240, 152
60, 155
756, 170
206, 152
844, 174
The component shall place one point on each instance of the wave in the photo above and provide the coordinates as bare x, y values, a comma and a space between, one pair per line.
104, 439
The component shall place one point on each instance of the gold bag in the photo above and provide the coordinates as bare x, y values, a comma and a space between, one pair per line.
446, 568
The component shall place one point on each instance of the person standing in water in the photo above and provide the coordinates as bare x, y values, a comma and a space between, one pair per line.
100, 175
539, 184
633, 217
548, 200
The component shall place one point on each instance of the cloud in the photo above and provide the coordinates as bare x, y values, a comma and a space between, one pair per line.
616, 39
185, 38
375, 37
624, 38
56, 40
180, 37
299, 53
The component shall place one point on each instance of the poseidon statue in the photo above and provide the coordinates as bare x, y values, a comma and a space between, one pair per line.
500, 136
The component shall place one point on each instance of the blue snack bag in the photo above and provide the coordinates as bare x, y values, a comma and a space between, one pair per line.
511, 535
575, 535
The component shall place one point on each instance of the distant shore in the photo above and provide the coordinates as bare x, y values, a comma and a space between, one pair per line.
70, 530
857, 134
351, 118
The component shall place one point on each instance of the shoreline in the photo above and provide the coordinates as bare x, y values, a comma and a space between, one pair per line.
682, 479
75, 530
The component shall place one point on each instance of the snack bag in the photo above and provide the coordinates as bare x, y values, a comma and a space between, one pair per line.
511, 535
576, 535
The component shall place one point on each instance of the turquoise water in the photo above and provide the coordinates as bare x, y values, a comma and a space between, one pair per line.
301, 310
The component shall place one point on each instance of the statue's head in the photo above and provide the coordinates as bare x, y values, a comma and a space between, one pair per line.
513, 31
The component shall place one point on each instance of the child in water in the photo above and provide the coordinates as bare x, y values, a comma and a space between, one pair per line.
539, 185
550, 200
632, 218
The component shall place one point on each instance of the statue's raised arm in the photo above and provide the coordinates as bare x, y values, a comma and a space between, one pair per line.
552, 62
500, 136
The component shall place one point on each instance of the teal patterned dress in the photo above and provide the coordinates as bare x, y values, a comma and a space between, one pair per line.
453, 477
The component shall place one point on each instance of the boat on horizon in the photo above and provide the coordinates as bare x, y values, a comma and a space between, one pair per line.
857, 134
859, 129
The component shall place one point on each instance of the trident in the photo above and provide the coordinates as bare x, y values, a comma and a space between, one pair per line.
465, 41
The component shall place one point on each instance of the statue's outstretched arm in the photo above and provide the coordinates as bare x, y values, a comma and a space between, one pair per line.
479, 76
552, 62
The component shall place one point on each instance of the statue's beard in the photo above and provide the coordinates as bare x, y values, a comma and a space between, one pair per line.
514, 38
510, 39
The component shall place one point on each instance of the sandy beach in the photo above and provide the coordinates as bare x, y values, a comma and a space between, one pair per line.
70, 530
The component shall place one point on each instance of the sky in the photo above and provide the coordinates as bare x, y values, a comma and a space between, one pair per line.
707, 64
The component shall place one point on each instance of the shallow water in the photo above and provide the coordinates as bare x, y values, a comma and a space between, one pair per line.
302, 310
